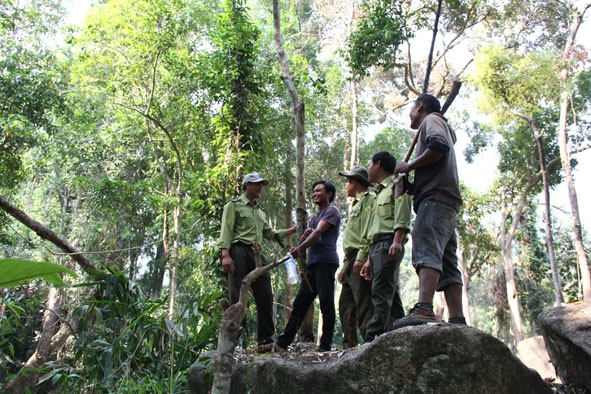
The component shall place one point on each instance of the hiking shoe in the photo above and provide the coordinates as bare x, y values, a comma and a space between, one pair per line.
416, 316
459, 320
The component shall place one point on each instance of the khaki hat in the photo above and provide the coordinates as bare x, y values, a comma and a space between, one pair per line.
358, 172
254, 177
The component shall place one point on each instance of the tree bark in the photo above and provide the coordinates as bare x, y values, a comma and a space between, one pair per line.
352, 145
466, 286
158, 267
22, 381
47, 234
354, 125
567, 55
509, 269
288, 224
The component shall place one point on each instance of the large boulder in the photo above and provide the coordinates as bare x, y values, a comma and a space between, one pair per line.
567, 332
533, 353
421, 359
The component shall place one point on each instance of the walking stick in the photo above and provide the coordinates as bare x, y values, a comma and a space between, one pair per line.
302, 269
399, 180
303, 273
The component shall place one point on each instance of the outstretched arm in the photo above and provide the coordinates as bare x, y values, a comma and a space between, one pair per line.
311, 239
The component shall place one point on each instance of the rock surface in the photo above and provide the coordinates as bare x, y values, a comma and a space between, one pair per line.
567, 333
532, 352
422, 359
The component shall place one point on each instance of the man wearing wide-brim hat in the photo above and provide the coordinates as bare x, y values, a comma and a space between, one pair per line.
355, 307
245, 223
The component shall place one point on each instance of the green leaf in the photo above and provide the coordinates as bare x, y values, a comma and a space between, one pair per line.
13, 272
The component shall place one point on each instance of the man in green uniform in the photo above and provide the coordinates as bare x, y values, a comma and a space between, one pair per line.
245, 223
355, 308
386, 236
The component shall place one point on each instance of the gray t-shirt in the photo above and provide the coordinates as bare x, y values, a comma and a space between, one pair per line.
324, 250
438, 181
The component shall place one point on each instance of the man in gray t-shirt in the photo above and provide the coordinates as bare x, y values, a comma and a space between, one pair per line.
320, 239
436, 202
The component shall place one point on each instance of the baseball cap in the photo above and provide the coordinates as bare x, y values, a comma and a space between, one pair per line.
358, 172
254, 177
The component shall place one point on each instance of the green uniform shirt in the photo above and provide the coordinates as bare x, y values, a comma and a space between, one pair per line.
359, 216
245, 222
388, 215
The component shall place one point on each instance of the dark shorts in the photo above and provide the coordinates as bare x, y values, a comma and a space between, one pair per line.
434, 242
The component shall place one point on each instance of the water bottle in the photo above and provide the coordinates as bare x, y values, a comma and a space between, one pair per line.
292, 270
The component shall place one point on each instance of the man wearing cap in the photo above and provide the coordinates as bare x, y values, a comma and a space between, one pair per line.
355, 308
386, 235
245, 223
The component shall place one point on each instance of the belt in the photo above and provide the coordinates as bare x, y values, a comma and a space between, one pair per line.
243, 244
382, 237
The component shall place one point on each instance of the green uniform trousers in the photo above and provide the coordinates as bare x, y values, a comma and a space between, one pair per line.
355, 308
244, 263
385, 297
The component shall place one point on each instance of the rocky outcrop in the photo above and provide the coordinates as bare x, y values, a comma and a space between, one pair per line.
567, 333
422, 359
532, 352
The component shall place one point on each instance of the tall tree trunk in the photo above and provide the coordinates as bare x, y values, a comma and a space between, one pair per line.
298, 110
351, 153
354, 124
558, 299
512, 295
22, 381
565, 73
171, 185
175, 255
511, 285
466, 286
506, 244
132, 261
158, 268
165, 240
288, 224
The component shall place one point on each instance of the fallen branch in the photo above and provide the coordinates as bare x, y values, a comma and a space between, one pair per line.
230, 331
52, 237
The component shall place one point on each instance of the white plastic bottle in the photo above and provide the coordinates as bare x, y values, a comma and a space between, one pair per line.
292, 270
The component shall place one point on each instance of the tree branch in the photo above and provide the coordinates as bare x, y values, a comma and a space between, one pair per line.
455, 89
432, 49
49, 235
